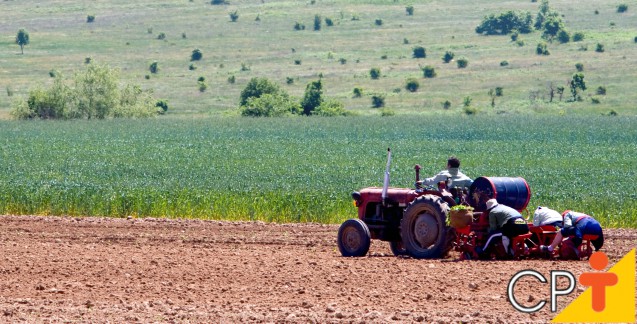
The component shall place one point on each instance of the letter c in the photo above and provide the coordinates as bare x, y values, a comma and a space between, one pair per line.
514, 302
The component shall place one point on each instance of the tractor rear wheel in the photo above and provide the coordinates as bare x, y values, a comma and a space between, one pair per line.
423, 227
353, 238
398, 248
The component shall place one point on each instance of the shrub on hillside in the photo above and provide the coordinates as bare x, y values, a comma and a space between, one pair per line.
410, 10
374, 73
161, 36
270, 105
601, 90
579, 67
563, 36
622, 8
448, 57
412, 85
542, 49
419, 52
378, 101
378, 22
462, 63
196, 55
578, 36
317, 23
218, 2
429, 71
505, 23
599, 48
234, 16
357, 92
331, 108
299, 26
329, 22
93, 93
153, 67
90, 18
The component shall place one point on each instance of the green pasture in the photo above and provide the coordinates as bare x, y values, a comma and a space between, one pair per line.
304, 169
124, 35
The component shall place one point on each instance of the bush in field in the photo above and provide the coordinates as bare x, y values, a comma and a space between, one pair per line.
270, 105
505, 23
378, 22
317, 23
153, 67
162, 104
412, 85
93, 93
429, 71
419, 52
563, 36
299, 26
448, 57
462, 63
232, 79
329, 22
257, 87
622, 8
578, 36
601, 90
374, 73
378, 101
218, 2
504, 63
161, 36
579, 67
234, 16
410, 10
446, 104
542, 49
196, 55
599, 48
313, 97
90, 18
358, 92
330, 108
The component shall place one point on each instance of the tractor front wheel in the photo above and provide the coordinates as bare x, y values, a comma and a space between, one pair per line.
353, 238
423, 227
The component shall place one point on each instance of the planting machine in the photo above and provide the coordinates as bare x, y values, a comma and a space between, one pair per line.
415, 221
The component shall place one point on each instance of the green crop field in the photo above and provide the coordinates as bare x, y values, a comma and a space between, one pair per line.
125, 35
304, 169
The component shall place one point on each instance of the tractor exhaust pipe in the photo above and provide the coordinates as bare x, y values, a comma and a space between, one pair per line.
386, 180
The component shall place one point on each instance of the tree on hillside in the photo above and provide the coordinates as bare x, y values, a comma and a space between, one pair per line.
22, 39
577, 83
313, 97
257, 87
505, 23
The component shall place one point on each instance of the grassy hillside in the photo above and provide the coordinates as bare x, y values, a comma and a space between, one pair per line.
125, 35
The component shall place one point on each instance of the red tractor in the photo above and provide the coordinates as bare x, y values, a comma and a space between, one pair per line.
414, 221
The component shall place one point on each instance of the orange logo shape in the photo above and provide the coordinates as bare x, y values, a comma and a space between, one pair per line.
617, 293
598, 281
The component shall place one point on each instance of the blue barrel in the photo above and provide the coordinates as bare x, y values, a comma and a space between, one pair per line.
512, 192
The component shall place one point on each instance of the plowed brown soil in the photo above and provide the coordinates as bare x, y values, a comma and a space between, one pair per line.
62, 269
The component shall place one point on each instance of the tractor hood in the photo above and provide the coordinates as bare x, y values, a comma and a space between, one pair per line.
401, 196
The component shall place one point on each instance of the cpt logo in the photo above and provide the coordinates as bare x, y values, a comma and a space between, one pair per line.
609, 298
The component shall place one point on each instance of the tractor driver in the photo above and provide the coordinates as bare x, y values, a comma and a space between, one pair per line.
505, 223
452, 173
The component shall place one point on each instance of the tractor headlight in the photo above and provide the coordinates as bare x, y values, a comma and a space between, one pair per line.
357, 198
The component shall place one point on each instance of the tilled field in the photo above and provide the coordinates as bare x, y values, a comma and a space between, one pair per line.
61, 269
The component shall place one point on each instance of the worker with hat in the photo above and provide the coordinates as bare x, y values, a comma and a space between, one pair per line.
576, 225
504, 224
